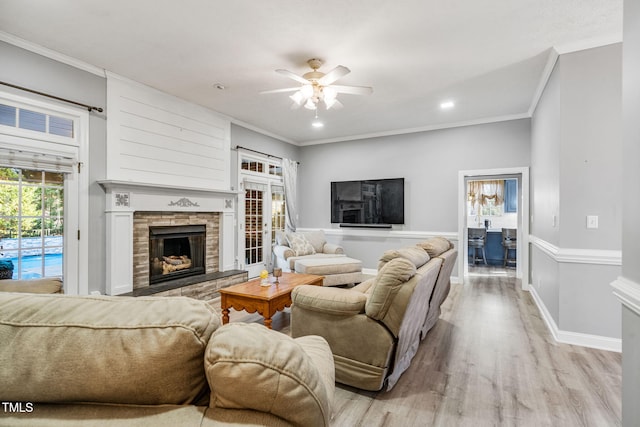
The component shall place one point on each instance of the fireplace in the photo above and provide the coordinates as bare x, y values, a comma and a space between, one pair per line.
176, 251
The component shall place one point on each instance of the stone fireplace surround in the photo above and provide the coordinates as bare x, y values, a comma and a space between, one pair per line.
129, 208
143, 220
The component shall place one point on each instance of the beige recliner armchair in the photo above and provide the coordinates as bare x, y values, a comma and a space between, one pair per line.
374, 328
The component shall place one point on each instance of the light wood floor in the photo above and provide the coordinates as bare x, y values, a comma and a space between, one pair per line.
489, 361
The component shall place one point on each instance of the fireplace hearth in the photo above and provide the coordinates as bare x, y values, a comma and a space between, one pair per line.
176, 251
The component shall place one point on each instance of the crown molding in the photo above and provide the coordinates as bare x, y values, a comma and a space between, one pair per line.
428, 128
589, 43
552, 59
563, 49
51, 54
262, 131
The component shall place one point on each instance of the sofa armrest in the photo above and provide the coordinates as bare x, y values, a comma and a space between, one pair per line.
339, 302
283, 252
330, 248
251, 367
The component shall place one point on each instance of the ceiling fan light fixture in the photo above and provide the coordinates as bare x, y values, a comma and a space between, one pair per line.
329, 102
310, 104
307, 91
297, 97
329, 93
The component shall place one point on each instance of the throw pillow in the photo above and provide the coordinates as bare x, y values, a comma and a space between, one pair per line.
299, 244
435, 246
414, 254
317, 240
390, 278
251, 367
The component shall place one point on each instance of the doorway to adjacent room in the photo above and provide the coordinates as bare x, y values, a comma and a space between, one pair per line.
493, 223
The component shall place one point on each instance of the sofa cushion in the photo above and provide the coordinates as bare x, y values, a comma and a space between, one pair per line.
341, 302
299, 244
144, 350
280, 375
323, 266
45, 285
413, 253
387, 284
435, 246
316, 239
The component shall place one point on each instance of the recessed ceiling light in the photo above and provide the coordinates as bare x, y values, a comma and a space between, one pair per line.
447, 104
317, 124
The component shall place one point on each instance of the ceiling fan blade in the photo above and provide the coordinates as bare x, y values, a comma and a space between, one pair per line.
293, 76
288, 89
333, 75
353, 90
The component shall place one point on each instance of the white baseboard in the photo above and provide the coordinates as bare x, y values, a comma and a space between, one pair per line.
574, 338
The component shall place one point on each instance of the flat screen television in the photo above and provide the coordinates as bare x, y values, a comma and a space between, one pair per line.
368, 202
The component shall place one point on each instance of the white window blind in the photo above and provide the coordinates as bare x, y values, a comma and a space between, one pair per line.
37, 161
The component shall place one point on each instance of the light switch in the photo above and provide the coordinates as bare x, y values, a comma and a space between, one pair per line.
592, 221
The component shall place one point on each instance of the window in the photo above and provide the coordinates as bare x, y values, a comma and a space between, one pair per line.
485, 198
36, 121
262, 166
253, 234
32, 221
277, 211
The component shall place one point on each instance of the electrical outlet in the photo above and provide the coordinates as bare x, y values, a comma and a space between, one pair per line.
592, 221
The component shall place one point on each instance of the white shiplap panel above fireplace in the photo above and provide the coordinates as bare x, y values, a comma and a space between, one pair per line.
156, 138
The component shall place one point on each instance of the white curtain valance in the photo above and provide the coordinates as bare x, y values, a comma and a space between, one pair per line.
482, 191
37, 161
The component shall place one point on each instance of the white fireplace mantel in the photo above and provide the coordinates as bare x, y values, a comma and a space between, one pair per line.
123, 198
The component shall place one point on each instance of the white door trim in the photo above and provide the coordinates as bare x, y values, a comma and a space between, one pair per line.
522, 253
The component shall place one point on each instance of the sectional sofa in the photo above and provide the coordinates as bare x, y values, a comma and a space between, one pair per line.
147, 361
374, 329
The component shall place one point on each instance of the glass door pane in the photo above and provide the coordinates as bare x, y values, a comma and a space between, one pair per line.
254, 231
277, 211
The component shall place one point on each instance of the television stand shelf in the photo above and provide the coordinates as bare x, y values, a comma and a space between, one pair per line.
365, 225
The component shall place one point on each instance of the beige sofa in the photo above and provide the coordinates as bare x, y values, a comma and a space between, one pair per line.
45, 285
374, 329
124, 361
309, 252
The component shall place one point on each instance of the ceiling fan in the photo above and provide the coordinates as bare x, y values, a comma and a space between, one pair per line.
317, 87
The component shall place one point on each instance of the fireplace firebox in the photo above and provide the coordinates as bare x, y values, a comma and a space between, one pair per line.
176, 251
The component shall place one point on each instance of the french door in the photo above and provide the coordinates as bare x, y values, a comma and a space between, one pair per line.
264, 215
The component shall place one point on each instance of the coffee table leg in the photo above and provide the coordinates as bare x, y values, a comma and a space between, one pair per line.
267, 322
225, 316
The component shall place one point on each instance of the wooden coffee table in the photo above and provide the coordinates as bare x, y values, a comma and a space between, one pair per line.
266, 300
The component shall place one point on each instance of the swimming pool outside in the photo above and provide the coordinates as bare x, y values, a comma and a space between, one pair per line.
32, 263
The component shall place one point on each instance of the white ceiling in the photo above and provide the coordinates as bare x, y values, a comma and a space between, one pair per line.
488, 56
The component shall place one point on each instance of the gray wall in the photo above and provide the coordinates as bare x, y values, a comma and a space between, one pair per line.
429, 163
576, 171
631, 207
545, 163
24, 68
